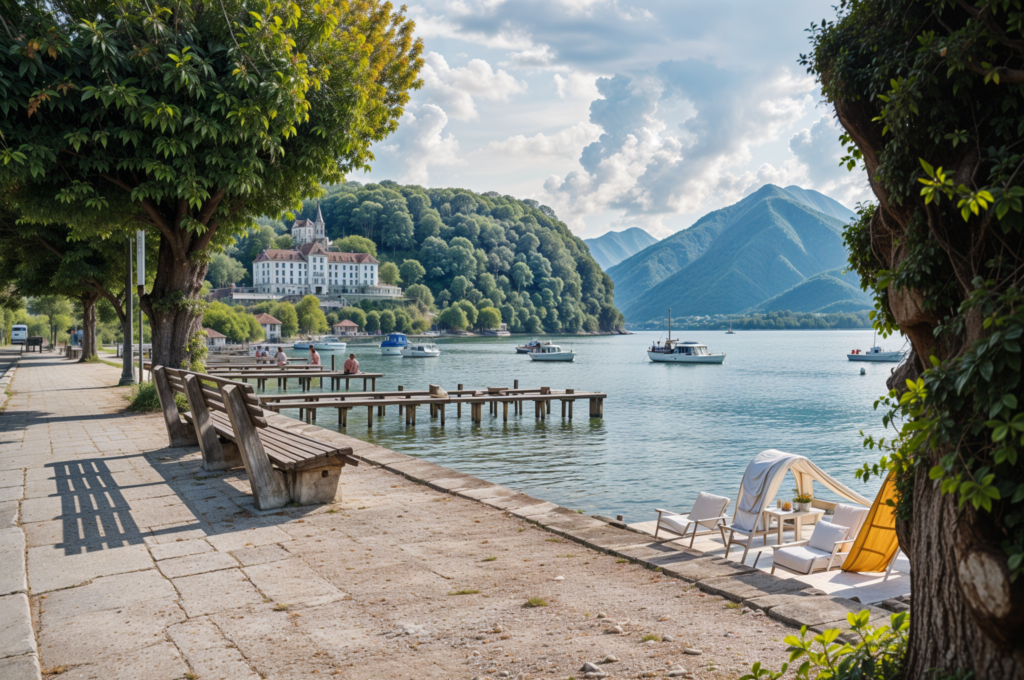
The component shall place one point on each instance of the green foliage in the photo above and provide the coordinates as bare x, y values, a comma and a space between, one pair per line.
225, 270
356, 244
934, 89
353, 314
471, 311
453, 318
387, 321
476, 247
878, 654
235, 322
388, 273
372, 322
311, 318
782, 320
489, 317
144, 399
420, 293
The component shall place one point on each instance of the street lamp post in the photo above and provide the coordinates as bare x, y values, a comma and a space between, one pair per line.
127, 370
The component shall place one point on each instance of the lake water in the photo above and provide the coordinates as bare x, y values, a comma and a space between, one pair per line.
668, 432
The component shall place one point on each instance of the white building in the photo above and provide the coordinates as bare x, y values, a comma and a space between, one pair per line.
214, 338
312, 268
271, 327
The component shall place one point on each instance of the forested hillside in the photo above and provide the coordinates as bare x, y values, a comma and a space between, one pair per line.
492, 250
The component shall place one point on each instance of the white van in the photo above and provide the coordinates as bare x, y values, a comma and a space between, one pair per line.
19, 334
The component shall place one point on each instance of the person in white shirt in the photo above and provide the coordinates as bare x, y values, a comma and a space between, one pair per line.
282, 360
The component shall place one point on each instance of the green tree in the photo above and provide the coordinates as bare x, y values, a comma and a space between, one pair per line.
353, 314
522, 276
56, 308
533, 324
311, 318
459, 287
189, 122
469, 309
234, 322
388, 273
387, 321
488, 318
225, 270
356, 244
930, 100
284, 242
420, 293
372, 322
412, 272
453, 318
289, 319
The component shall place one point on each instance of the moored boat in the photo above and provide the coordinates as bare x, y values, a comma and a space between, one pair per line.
393, 344
530, 346
686, 352
330, 344
874, 354
421, 350
549, 352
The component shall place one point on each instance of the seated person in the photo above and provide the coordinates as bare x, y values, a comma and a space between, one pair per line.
314, 356
351, 365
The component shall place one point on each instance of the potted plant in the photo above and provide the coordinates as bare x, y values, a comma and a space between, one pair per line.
801, 501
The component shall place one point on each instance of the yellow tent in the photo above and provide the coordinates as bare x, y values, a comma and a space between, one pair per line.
876, 544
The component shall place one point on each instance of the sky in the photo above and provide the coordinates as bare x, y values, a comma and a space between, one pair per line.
617, 113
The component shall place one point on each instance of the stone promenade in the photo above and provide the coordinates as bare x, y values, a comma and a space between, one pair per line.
123, 558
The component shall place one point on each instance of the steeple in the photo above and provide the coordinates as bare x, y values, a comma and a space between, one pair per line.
319, 215
320, 233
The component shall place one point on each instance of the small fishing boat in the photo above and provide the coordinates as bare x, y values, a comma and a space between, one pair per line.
549, 352
876, 353
421, 350
393, 344
686, 352
531, 346
330, 344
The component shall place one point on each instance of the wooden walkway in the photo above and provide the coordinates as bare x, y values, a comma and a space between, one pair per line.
408, 401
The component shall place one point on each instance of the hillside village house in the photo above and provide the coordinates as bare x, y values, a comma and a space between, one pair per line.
346, 327
314, 267
214, 339
271, 327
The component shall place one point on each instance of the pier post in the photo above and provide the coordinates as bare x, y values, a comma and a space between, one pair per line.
442, 414
571, 402
563, 408
369, 417
343, 417
476, 411
373, 384
458, 408
400, 389
332, 363
504, 414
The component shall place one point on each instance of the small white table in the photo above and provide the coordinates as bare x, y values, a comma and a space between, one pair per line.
781, 516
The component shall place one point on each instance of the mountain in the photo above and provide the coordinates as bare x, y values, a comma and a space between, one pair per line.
821, 203
827, 292
752, 251
615, 246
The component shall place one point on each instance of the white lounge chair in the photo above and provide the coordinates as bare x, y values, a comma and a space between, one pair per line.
828, 542
748, 526
708, 512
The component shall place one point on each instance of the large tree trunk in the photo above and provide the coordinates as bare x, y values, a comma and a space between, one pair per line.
89, 301
172, 306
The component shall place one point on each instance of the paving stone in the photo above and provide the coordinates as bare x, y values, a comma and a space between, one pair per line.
419, 470
11, 478
748, 586
40, 509
701, 568
196, 564
216, 591
158, 660
49, 568
767, 602
16, 636
25, 667
12, 562
455, 483
488, 491
10, 493
531, 511
166, 551
516, 500
107, 593
814, 611
208, 653
293, 582
250, 538
261, 555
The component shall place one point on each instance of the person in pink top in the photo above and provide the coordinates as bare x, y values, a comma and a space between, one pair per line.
282, 360
351, 365
314, 356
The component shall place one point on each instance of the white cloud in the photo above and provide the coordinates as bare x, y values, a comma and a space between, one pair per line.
420, 143
565, 143
455, 88
576, 85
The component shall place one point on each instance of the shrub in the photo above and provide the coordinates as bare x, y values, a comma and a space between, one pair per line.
536, 602
878, 655
145, 400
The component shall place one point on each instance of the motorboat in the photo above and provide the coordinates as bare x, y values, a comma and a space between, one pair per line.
393, 344
421, 350
302, 344
681, 352
531, 346
874, 354
549, 352
330, 344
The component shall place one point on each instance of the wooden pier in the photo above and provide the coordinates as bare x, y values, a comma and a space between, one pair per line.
437, 402
305, 377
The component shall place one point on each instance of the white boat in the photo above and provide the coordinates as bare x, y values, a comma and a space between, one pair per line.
330, 344
421, 350
685, 352
730, 331
531, 346
302, 344
874, 354
549, 352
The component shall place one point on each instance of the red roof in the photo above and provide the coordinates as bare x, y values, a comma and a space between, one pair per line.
346, 323
265, 319
210, 333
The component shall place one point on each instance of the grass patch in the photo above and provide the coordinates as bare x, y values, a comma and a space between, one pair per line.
281, 607
465, 591
536, 602
732, 605
489, 559
621, 561
651, 636
332, 511
553, 540
566, 555
145, 400
56, 670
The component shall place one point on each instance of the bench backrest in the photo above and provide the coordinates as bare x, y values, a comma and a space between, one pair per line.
211, 393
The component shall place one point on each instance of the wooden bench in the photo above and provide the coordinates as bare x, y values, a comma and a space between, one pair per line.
231, 429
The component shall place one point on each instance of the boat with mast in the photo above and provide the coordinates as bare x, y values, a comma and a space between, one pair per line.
682, 352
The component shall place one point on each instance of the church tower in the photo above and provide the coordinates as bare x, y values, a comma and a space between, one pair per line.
318, 225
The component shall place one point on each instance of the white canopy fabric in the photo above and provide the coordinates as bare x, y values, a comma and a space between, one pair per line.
764, 476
